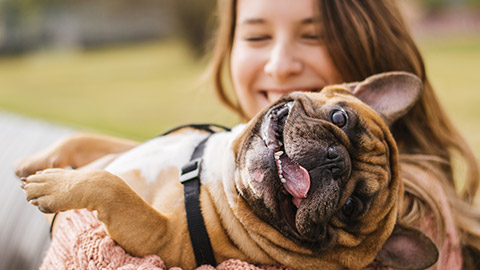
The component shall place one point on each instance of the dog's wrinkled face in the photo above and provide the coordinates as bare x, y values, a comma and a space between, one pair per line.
322, 169
318, 168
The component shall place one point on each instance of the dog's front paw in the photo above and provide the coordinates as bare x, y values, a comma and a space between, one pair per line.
55, 190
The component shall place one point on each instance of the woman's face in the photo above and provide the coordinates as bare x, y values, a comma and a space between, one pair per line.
276, 50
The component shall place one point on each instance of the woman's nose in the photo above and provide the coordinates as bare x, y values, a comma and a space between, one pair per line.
283, 63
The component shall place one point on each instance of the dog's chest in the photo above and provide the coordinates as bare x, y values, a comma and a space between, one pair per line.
155, 163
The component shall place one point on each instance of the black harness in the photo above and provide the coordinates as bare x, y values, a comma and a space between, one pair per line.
190, 178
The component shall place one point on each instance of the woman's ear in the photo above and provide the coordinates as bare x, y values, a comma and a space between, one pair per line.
408, 248
391, 94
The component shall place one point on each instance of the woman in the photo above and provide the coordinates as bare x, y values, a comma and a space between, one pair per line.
272, 47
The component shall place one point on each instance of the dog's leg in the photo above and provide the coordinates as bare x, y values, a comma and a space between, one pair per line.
74, 151
126, 215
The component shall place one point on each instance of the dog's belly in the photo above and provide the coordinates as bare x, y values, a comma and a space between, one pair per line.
152, 168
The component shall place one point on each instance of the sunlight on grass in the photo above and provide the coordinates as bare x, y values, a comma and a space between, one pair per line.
134, 91
454, 69
138, 91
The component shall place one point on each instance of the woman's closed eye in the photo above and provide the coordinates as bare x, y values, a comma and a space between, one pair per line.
257, 38
312, 38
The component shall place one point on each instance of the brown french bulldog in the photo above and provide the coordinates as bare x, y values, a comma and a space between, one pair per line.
310, 183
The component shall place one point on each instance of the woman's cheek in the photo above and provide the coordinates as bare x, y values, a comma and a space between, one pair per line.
247, 70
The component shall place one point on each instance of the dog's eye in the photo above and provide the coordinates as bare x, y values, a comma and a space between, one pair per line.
352, 207
339, 118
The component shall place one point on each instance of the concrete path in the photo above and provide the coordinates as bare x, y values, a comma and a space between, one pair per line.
24, 235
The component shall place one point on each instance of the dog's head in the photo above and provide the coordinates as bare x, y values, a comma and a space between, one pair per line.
322, 169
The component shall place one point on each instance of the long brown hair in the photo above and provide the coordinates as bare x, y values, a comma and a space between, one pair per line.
368, 37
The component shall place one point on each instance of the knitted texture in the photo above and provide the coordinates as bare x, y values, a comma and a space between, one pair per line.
81, 242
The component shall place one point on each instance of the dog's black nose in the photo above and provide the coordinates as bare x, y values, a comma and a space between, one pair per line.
339, 167
332, 153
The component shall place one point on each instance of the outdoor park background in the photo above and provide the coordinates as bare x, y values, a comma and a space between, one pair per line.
132, 68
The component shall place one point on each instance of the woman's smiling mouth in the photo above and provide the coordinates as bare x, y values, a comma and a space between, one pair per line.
272, 95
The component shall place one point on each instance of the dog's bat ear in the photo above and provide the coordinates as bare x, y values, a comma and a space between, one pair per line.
408, 248
391, 94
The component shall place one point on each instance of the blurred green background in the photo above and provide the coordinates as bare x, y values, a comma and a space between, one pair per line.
132, 69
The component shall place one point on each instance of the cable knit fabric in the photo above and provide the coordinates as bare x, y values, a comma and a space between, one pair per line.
81, 242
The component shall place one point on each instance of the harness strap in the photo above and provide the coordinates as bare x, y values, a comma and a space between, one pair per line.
190, 178
204, 127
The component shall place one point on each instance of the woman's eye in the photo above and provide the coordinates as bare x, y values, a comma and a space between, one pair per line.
257, 38
312, 37
339, 118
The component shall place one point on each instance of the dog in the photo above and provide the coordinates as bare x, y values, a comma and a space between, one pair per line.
311, 182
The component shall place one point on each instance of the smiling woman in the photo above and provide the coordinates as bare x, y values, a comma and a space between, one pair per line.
277, 50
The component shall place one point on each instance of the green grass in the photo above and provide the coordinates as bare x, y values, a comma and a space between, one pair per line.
138, 91
134, 91
454, 69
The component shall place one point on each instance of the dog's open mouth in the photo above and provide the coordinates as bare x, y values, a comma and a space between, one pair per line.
295, 178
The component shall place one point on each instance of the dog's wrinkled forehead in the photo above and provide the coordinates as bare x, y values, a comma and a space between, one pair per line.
338, 105
331, 96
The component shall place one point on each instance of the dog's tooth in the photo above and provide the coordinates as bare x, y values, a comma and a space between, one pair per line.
279, 153
280, 143
282, 179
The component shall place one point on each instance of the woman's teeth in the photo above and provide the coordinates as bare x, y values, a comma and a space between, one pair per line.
272, 97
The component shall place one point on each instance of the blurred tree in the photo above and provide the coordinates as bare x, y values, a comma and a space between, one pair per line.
13, 14
474, 3
433, 6
32, 24
195, 22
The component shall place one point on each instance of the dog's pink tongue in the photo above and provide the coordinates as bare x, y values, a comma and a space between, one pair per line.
297, 179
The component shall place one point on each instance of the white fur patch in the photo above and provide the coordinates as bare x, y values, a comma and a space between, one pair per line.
157, 154
164, 152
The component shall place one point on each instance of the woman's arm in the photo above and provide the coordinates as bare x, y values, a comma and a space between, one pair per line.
75, 151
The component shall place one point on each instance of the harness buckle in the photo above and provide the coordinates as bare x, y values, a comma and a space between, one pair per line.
191, 170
